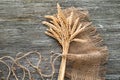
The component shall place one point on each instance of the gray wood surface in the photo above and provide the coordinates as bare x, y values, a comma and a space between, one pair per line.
21, 29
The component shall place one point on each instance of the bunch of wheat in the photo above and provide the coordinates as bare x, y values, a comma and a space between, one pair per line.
77, 36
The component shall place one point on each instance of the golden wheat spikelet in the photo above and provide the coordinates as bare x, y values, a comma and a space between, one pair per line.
64, 30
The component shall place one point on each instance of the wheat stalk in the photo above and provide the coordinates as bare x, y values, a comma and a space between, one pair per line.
64, 30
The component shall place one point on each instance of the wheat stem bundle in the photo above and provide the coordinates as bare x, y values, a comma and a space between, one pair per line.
64, 30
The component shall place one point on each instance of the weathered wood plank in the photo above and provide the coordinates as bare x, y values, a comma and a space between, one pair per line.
21, 29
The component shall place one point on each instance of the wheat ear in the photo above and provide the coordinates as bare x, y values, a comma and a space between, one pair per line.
64, 30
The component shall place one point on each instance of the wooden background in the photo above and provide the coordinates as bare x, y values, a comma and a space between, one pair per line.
21, 29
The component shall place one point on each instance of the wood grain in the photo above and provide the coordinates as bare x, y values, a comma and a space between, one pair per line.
21, 29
